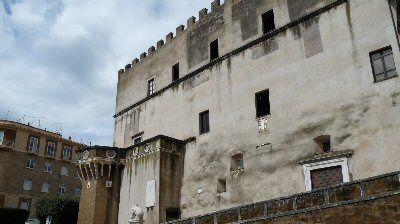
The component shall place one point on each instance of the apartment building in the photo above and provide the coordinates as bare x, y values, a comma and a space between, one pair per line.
35, 162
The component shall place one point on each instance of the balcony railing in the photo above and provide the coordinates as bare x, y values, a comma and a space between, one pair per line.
7, 144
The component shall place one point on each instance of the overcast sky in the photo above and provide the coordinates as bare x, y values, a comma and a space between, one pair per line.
59, 58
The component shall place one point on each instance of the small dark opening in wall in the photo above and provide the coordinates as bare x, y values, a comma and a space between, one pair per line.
262, 104
221, 187
175, 72
214, 51
173, 214
324, 143
268, 21
204, 122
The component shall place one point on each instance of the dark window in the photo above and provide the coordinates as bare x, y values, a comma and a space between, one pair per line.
175, 72
172, 214
214, 52
326, 146
221, 187
204, 122
2, 200
323, 143
383, 65
237, 162
268, 22
137, 140
326, 177
262, 103
150, 87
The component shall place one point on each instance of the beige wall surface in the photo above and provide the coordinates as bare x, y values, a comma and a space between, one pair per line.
320, 81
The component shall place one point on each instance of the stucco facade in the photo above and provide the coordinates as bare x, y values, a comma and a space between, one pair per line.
316, 66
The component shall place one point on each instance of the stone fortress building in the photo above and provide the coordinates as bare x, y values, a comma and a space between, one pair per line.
252, 101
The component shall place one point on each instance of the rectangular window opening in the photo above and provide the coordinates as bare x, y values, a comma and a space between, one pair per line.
27, 185
326, 177
67, 153
150, 87
64, 170
30, 163
48, 166
173, 214
175, 72
268, 22
204, 122
45, 187
62, 189
214, 51
237, 162
221, 187
24, 203
51, 149
383, 65
262, 104
33, 145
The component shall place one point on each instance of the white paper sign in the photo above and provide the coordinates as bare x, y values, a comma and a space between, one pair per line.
151, 193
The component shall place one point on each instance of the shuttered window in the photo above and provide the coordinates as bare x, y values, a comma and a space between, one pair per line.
326, 177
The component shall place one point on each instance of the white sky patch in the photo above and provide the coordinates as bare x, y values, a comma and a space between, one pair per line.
59, 58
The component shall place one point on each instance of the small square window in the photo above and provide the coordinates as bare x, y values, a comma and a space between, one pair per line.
262, 104
150, 87
323, 144
268, 21
383, 65
204, 122
221, 187
137, 140
175, 72
214, 50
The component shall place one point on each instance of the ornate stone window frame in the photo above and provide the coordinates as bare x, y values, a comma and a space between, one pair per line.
329, 160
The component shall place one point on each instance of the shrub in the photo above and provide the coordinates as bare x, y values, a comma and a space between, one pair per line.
13, 216
62, 210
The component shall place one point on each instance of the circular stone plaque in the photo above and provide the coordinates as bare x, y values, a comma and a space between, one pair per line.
111, 154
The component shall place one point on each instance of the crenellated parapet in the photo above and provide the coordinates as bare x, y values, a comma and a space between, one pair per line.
170, 37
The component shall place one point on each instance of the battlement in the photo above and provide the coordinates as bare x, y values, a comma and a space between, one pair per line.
170, 37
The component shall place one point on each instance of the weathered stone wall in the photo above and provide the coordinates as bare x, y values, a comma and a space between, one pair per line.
319, 76
374, 200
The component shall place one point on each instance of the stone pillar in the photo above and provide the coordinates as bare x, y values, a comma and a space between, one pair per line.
100, 171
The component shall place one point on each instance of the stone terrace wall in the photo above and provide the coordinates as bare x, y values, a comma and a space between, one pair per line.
373, 200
